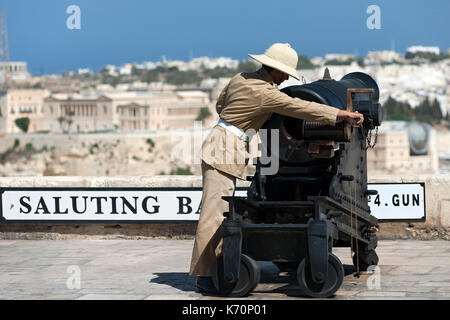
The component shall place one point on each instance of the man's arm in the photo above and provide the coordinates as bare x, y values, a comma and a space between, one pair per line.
221, 100
276, 101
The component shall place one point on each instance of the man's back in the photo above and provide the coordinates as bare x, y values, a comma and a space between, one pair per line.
249, 100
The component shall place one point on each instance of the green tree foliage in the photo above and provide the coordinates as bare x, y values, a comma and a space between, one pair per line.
203, 114
219, 72
135, 71
176, 77
305, 63
4, 155
181, 172
151, 144
429, 112
23, 123
427, 55
395, 110
424, 112
436, 110
150, 75
247, 66
360, 62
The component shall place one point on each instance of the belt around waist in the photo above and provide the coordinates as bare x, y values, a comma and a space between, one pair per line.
235, 130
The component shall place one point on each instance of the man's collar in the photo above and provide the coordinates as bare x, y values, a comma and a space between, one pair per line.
265, 76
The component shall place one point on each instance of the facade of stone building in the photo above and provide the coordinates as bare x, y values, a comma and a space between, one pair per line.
393, 153
20, 103
76, 114
157, 110
14, 71
124, 111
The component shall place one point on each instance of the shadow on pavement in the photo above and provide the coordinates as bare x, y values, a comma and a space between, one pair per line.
178, 280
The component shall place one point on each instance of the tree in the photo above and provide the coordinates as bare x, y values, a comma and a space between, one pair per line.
203, 114
247, 66
305, 63
395, 110
176, 77
429, 112
150, 76
423, 112
23, 123
135, 71
114, 81
61, 120
436, 111
219, 72
68, 121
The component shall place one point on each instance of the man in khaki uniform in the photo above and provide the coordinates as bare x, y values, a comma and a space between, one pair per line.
246, 103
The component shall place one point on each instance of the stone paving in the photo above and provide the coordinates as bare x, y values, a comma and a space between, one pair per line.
158, 269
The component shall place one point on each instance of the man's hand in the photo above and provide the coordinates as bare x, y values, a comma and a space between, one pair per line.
354, 118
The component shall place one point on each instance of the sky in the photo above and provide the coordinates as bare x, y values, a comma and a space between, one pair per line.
119, 31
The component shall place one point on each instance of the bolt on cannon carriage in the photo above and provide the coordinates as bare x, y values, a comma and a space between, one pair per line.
316, 200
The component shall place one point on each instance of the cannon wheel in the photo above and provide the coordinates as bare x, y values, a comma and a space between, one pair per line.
249, 275
331, 284
366, 259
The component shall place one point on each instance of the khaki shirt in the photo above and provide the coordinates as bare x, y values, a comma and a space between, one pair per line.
247, 102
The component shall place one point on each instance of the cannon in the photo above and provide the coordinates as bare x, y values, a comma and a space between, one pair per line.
316, 200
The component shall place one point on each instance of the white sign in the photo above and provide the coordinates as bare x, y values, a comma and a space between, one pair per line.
398, 201
403, 201
120, 204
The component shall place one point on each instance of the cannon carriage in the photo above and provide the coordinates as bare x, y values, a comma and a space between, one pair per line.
315, 200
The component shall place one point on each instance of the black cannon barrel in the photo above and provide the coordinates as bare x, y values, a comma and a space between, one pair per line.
332, 93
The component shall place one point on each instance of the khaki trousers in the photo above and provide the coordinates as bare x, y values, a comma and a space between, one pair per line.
208, 239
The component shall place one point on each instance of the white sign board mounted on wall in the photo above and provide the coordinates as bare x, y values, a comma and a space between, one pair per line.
398, 201
394, 202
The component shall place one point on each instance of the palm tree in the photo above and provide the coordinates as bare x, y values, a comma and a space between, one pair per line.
61, 120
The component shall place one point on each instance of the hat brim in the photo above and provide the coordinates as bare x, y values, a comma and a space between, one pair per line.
263, 59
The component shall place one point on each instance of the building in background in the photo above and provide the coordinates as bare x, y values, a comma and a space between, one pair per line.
124, 111
339, 57
21, 103
385, 56
157, 110
425, 49
404, 148
77, 113
14, 71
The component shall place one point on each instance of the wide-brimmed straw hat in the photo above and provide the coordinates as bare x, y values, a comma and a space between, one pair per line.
279, 56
